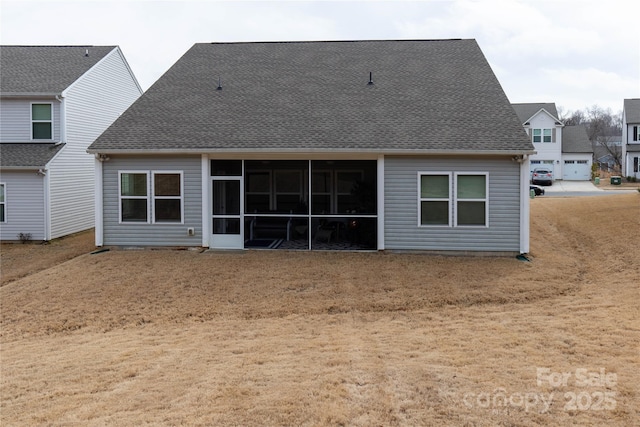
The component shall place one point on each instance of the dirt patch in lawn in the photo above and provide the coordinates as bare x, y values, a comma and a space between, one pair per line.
298, 338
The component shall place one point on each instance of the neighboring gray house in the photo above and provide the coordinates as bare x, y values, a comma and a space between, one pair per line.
388, 145
54, 102
631, 138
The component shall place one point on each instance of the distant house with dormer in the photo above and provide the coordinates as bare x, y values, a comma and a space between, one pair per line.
565, 150
54, 102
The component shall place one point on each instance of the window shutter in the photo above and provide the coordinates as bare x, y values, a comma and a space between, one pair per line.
553, 135
635, 133
635, 164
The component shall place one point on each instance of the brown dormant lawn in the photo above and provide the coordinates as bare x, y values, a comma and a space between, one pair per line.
181, 337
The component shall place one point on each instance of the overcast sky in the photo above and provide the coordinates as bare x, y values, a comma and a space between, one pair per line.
576, 53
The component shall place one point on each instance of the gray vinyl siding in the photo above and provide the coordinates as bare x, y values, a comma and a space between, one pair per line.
15, 119
91, 104
134, 234
24, 205
401, 206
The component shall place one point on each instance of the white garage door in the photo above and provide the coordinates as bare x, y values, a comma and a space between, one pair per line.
548, 164
576, 170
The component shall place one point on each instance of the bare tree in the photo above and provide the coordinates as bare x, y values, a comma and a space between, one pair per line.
603, 128
572, 118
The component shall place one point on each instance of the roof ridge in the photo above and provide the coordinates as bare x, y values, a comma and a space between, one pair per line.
335, 41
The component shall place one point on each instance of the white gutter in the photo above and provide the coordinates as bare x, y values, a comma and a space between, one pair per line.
297, 152
28, 94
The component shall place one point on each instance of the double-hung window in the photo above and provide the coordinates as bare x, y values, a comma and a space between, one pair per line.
435, 199
157, 200
167, 197
41, 121
459, 199
542, 135
3, 204
471, 199
134, 197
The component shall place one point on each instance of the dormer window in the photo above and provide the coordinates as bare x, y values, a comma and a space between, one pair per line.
542, 135
41, 121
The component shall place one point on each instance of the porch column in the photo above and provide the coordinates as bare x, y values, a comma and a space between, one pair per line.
380, 207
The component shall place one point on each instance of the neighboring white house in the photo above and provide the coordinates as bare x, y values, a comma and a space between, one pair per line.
319, 145
54, 102
631, 138
566, 150
577, 154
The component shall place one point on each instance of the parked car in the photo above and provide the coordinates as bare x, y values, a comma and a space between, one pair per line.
537, 190
542, 176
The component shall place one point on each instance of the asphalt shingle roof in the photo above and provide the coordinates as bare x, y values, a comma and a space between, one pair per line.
35, 155
632, 110
527, 110
45, 69
305, 96
576, 140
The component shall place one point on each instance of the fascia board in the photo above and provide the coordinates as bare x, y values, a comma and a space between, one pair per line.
336, 152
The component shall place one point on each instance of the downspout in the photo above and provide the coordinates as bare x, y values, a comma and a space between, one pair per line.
524, 204
62, 121
205, 194
46, 184
99, 227
380, 207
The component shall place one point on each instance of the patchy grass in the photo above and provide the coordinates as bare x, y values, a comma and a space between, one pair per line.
296, 338
22, 259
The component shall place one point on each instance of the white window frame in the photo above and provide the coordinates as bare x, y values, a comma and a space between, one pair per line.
120, 197
50, 104
4, 202
542, 135
453, 199
428, 199
485, 200
154, 197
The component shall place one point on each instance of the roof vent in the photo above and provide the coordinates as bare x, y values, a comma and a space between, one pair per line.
219, 84
86, 52
370, 78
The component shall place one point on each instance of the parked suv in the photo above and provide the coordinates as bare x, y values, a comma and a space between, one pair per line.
542, 176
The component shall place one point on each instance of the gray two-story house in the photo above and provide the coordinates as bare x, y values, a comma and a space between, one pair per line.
631, 138
375, 145
54, 102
